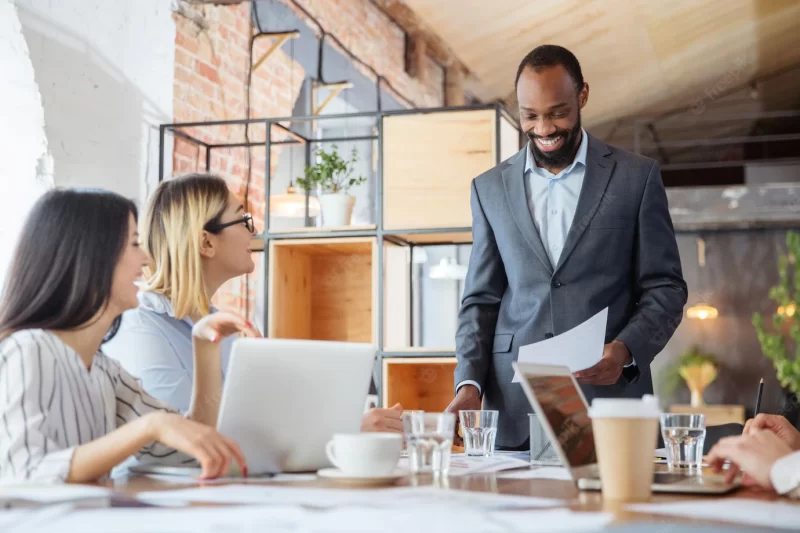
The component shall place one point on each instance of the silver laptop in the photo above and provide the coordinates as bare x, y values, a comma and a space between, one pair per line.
284, 399
564, 414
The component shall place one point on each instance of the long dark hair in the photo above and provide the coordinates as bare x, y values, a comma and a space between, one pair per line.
63, 267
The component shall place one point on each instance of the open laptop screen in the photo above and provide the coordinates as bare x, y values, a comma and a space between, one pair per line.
568, 417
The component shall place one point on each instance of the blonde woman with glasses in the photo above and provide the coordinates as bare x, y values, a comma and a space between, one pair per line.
199, 237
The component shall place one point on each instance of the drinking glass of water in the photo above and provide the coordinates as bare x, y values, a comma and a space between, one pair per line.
429, 437
684, 435
478, 429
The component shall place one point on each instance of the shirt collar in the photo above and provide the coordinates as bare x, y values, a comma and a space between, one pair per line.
580, 156
158, 303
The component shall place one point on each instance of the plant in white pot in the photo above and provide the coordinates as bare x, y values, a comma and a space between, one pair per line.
331, 177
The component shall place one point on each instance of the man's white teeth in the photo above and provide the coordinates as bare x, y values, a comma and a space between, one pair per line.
549, 142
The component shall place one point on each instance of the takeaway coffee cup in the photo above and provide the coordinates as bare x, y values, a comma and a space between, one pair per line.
625, 435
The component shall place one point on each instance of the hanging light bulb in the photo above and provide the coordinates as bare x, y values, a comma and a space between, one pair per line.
292, 205
702, 312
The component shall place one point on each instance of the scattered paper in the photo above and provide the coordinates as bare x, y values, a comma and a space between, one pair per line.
545, 472
23, 520
436, 517
552, 521
199, 519
51, 493
325, 498
187, 480
461, 465
524, 456
408, 496
579, 348
779, 514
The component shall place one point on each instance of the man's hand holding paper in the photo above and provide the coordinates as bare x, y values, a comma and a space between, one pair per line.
609, 369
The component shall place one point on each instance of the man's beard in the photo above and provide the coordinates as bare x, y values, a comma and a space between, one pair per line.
564, 155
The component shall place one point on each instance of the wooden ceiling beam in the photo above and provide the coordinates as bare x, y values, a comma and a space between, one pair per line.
405, 17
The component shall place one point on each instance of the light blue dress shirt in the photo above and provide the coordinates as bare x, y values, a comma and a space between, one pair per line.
155, 347
553, 198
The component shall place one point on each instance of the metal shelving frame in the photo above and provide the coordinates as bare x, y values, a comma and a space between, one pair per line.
402, 237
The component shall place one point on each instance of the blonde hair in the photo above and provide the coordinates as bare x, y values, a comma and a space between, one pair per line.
175, 217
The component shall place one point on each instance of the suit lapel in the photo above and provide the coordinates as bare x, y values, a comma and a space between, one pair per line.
514, 183
595, 181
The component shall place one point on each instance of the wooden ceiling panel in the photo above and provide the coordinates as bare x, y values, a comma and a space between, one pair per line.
639, 56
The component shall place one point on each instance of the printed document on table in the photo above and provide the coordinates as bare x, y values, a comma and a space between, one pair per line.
779, 514
325, 498
579, 348
51, 493
442, 518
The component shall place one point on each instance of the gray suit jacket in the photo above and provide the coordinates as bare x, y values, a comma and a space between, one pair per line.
620, 253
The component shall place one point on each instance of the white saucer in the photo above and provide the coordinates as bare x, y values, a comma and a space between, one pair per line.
367, 479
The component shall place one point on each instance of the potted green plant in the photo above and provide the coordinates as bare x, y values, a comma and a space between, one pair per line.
776, 343
331, 177
696, 368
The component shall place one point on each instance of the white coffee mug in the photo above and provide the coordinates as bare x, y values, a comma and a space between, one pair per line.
365, 454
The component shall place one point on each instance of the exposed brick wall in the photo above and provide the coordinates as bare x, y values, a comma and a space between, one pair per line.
211, 64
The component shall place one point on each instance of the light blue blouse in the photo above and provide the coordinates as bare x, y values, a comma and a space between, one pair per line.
156, 348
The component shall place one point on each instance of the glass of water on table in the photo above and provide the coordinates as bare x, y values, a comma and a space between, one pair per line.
429, 438
684, 435
478, 429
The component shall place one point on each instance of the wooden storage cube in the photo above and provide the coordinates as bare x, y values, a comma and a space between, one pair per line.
418, 382
323, 289
430, 159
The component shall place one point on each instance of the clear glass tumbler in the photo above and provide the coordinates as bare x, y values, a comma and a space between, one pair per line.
429, 437
479, 429
684, 435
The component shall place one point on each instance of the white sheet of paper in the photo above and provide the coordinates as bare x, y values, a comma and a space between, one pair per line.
579, 348
552, 521
544, 472
742, 511
197, 520
23, 520
323, 498
188, 480
461, 465
439, 518
51, 493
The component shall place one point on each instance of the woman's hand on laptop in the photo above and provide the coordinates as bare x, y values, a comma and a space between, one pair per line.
214, 451
754, 454
383, 420
217, 326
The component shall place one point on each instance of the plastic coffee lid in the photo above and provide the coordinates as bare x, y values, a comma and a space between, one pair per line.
644, 407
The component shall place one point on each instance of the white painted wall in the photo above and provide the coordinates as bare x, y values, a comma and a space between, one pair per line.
105, 70
25, 164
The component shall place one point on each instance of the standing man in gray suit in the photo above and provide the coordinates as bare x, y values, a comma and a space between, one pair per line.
561, 230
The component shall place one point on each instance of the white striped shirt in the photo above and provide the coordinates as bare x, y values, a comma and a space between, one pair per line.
50, 403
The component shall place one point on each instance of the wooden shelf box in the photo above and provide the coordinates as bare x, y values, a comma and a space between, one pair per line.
323, 289
430, 159
418, 382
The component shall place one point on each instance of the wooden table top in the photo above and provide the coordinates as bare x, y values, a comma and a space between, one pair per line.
574, 499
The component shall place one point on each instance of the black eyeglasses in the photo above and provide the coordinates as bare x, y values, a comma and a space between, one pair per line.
247, 220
